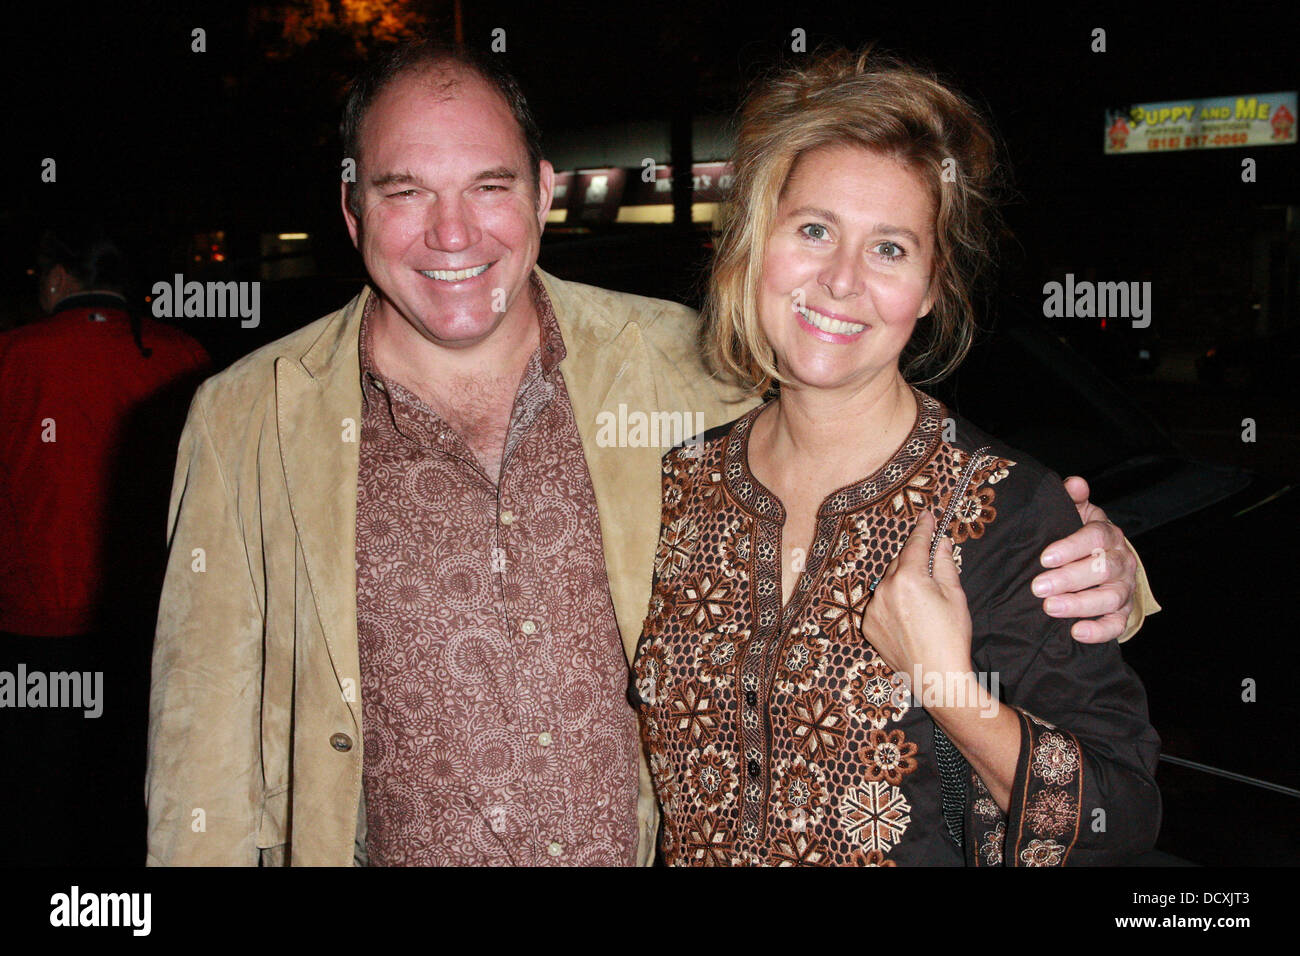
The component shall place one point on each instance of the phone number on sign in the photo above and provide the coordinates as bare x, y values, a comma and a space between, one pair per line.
1195, 142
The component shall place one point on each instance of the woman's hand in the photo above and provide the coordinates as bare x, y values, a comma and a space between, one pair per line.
917, 621
921, 626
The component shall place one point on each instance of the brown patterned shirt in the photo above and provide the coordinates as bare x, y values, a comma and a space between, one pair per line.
494, 685
776, 735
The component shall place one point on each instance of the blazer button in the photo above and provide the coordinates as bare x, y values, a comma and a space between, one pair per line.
753, 768
341, 742
751, 698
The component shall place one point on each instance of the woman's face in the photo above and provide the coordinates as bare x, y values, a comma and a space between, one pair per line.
847, 269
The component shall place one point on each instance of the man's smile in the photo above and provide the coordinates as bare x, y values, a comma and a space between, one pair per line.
456, 275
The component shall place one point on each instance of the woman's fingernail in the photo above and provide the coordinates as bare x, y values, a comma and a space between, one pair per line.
1053, 605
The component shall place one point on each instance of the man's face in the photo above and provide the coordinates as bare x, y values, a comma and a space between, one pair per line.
449, 224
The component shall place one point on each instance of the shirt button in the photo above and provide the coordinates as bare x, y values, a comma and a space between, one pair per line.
529, 627
507, 518
751, 698
556, 848
544, 738
341, 742
754, 768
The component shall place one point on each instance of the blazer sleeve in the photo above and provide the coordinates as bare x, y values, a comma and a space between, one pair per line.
1084, 790
203, 782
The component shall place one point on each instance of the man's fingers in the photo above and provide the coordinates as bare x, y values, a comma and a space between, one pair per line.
1077, 489
1099, 631
1106, 599
1094, 536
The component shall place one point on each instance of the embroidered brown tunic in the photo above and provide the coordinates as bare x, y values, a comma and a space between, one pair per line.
496, 723
778, 735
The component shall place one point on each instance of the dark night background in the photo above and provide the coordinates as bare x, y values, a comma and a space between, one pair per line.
170, 145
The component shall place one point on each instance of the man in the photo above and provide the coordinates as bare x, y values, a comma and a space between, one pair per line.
91, 401
419, 561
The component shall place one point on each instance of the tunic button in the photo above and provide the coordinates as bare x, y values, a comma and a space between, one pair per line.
556, 848
341, 742
528, 627
507, 517
754, 768
751, 698
544, 738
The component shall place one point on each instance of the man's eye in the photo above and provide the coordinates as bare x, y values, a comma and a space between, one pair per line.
815, 230
404, 192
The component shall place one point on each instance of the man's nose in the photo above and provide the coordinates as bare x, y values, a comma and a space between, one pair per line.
451, 226
844, 274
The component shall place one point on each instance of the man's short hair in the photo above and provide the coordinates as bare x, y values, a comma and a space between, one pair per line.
412, 56
87, 252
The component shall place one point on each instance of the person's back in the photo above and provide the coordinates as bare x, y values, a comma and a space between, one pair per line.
76, 392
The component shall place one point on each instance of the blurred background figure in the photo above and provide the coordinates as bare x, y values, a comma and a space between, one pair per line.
92, 399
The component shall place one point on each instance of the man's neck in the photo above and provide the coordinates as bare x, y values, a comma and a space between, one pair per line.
407, 357
472, 388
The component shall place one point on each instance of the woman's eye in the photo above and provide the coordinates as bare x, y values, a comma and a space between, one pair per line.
891, 250
815, 230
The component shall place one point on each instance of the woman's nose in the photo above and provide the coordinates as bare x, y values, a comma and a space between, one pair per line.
843, 276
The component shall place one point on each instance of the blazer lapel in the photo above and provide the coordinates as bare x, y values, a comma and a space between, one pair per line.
318, 414
600, 376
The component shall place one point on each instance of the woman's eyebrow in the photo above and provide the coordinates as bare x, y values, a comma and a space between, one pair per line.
816, 213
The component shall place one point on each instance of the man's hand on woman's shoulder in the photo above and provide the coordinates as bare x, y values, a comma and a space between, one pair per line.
1094, 574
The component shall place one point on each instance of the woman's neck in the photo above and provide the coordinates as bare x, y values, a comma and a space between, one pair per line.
836, 438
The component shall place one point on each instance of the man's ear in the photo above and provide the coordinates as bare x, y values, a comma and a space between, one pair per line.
348, 216
545, 191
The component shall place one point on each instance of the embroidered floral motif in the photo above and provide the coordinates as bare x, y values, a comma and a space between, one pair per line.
1051, 812
991, 845
1042, 853
800, 658
888, 756
876, 694
1056, 758
713, 778
801, 792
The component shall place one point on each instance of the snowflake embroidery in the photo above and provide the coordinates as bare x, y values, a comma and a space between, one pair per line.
877, 815
693, 713
819, 724
798, 849
704, 601
676, 547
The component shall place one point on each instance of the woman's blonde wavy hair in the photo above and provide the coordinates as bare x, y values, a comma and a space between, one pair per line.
890, 107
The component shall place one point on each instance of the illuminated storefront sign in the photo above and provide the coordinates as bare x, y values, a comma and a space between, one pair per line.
1255, 119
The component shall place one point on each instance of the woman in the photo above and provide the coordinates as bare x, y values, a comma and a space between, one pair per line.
793, 606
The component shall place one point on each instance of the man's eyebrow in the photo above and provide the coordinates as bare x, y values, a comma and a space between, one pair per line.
404, 177
397, 177
498, 172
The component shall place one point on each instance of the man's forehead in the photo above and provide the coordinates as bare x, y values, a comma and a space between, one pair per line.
416, 99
